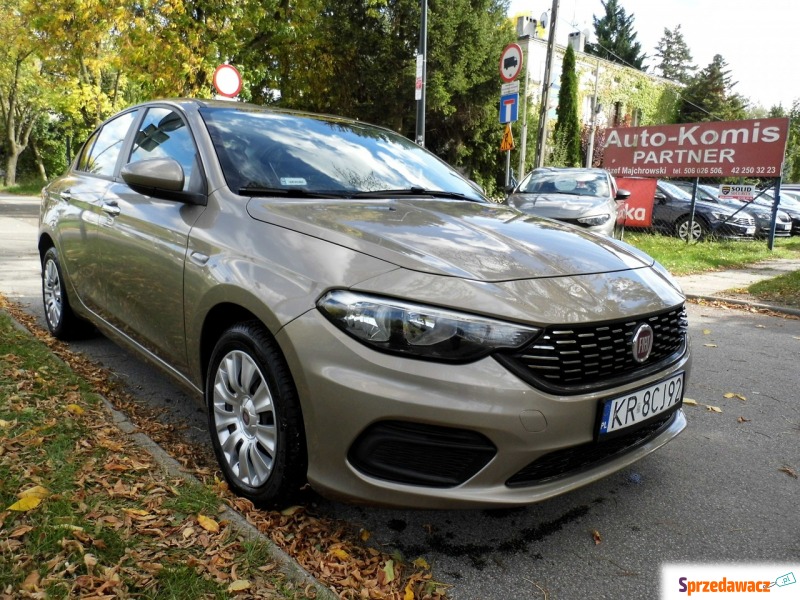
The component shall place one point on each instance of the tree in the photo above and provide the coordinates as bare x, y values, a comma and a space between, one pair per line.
360, 62
791, 164
465, 38
567, 131
23, 91
616, 39
675, 57
709, 96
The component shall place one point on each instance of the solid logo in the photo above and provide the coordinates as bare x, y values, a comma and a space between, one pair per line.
642, 343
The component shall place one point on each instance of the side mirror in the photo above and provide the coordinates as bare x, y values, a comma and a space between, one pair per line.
154, 175
622, 195
660, 197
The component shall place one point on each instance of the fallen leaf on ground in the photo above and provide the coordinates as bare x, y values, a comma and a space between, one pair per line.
690, 402
409, 593
706, 331
715, 409
31, 583
208, 524
421, 563
387, 573
340, 554
596, 537
743, 420
25, 504
239, 585
710, 345
789, 471
36, 491
75, 409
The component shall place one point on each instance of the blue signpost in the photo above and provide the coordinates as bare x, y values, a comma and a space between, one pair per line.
509, 108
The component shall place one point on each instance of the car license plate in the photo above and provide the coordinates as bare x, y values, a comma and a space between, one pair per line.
638, 406
750, 231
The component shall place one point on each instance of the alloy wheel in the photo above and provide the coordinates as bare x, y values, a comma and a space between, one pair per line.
53, 295
245, 418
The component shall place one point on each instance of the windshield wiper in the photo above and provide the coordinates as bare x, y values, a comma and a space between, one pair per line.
286, 192
413, 191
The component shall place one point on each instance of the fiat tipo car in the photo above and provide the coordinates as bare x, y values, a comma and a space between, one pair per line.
356, 315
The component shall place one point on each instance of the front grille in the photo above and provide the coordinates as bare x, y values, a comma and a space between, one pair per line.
569, 461
579, 358
745, 221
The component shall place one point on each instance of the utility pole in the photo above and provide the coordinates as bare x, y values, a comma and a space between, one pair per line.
422, 60
548, 67
595, 110
524, 142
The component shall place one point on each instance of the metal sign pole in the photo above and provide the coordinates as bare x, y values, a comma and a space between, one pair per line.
423, 52
548, 67
774, 219
691, 210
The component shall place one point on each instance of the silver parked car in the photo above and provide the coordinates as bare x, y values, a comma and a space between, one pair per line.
588, 198
355, 314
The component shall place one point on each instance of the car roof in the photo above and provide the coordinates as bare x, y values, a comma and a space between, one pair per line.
570, 170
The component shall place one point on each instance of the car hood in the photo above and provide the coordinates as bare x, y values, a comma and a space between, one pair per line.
471, 240
558, 206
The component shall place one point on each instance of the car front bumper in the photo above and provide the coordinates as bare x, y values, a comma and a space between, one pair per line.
347, 390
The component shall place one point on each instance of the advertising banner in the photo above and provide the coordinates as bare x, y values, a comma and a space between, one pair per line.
638, 210
749, 148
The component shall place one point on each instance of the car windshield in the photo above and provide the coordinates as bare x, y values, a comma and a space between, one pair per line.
675, 191
576, 184
301, 155
789, 201
704, 192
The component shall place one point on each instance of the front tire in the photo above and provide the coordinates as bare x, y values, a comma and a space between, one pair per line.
58, 315
698, 233
254, 416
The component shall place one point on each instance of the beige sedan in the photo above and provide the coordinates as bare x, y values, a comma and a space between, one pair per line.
355, 314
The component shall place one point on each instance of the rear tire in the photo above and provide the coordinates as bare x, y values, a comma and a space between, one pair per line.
254, 416
58, 315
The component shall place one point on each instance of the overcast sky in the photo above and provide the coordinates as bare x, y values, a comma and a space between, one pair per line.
758, 39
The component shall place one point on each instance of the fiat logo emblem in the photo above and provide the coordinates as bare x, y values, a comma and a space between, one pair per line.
642, 343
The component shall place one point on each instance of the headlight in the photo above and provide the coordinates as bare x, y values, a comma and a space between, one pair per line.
594, 221
719, 216
420, 331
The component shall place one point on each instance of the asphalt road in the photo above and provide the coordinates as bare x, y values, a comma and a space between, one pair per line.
715, 494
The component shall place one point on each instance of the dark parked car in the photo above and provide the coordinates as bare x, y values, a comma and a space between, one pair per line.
761, 214
588, 198
355, 314
672, 211
790, 204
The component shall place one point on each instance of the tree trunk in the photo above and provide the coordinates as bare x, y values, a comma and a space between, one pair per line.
11, 168
39, 162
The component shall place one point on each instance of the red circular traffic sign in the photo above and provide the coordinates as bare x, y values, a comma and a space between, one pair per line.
510, 62
227, 81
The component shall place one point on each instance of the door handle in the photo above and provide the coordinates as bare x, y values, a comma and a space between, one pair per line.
111, 208
65, 195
